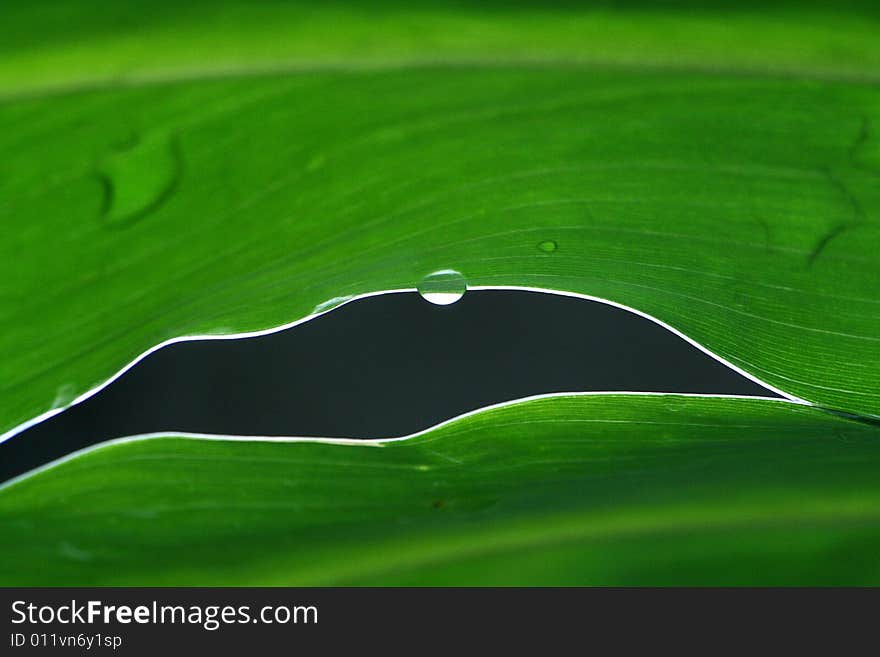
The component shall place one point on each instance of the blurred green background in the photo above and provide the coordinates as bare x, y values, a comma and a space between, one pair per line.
53, 42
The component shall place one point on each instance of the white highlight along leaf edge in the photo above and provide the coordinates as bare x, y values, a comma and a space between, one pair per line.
322, 309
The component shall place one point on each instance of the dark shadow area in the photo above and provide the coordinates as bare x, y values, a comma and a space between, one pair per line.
379, 367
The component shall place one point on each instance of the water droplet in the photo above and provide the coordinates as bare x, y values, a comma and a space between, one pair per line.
548, 246
316, 163
139, 179
443, 287
331, 303
64, 395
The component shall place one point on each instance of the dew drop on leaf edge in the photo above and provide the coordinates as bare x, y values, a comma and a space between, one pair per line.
442, 287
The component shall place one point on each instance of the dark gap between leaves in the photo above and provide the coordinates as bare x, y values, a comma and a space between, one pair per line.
383, 366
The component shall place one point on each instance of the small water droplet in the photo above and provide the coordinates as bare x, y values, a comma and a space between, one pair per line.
316, 163
443, 287
64, 395
139, 178
331, 303
548, 246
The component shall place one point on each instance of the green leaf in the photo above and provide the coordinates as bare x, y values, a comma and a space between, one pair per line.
737, 209
194, 168
578, 490
51, 44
